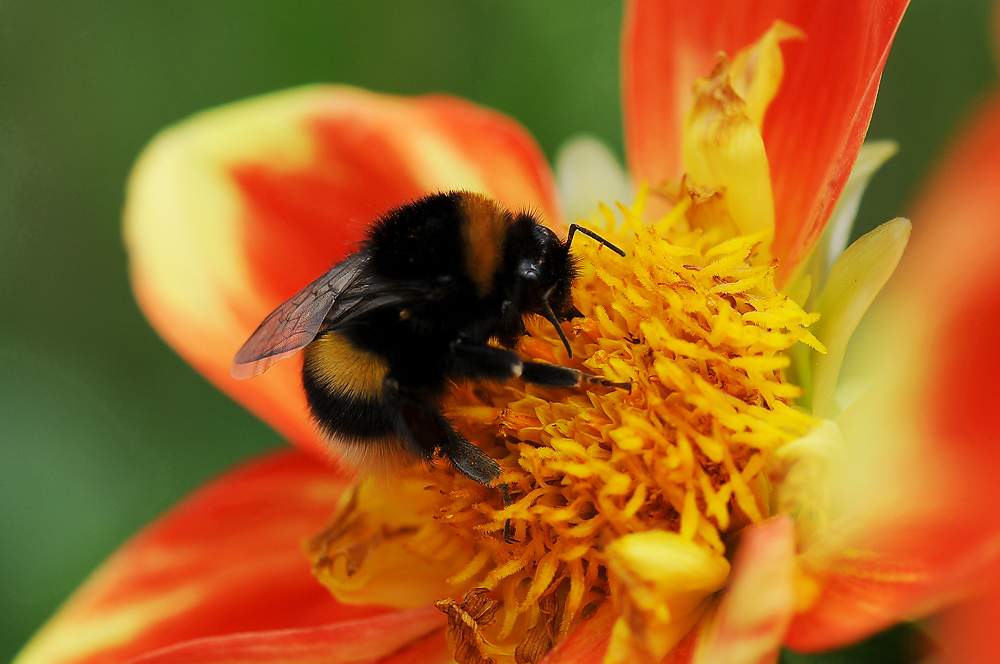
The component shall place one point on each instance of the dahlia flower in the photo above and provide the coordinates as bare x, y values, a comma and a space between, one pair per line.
746, 494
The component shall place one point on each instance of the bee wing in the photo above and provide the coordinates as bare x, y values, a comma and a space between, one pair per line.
294, 324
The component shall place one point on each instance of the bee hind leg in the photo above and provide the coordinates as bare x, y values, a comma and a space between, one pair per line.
426, 429
472, 461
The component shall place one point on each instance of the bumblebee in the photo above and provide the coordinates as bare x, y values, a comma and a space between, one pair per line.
387, 330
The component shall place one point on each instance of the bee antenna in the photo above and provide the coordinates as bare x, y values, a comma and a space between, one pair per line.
573, 228
551, 317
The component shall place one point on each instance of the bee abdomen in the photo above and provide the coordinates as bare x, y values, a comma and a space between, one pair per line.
345, 389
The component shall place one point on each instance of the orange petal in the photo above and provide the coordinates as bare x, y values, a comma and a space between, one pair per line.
952, 274
750, 624
814, 128
869, 588
233, 211
968, 632
396, 636
432, 649
224, 561
921, 531
936, 448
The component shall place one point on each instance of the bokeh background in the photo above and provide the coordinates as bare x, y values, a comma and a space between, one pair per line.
102, 427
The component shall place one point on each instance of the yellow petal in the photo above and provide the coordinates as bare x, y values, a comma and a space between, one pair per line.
724, 151
666, 581
722, 144
855, 280
384, 548
757, 70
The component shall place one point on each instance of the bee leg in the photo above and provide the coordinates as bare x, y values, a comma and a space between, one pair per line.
486, 362
479, 362
508, 525
470, 460
426, 429
551, 375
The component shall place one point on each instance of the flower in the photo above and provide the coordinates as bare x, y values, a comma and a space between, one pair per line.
233, 211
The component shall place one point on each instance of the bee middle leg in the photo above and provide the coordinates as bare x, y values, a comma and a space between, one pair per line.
478, 362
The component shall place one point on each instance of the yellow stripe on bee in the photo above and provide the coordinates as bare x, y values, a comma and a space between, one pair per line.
484, 232
344, 369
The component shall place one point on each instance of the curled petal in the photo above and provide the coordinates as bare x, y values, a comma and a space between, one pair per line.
723, 151
233, 211
667, 582
814, 128
723, 148
750, 624
226, 560
855, 280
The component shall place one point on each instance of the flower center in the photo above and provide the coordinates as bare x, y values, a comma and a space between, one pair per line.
692, 318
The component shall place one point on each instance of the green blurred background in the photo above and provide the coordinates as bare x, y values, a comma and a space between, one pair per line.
102, 427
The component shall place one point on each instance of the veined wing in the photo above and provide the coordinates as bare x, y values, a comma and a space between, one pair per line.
290, 327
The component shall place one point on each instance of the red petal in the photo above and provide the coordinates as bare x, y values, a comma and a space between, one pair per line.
952, 265
226, 560
371, 154
235, 210
943, 307
588, 643
350, 642
813, 129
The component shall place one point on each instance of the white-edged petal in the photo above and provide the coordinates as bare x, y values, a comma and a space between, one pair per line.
588, 172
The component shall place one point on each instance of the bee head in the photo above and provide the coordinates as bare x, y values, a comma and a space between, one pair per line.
544, 273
